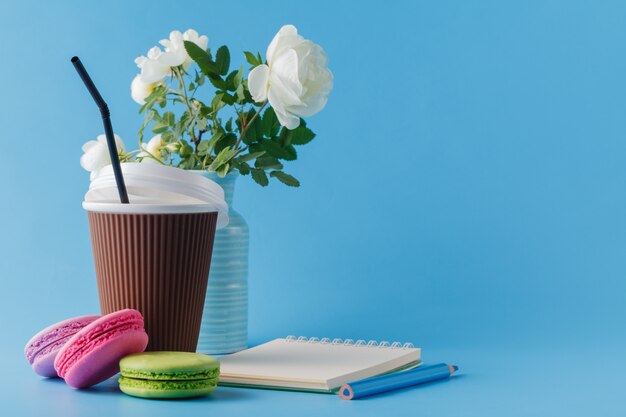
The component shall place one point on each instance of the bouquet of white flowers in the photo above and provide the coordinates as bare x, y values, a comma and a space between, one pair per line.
231, 122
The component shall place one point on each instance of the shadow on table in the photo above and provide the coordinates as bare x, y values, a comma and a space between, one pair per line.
111, 386
218, 395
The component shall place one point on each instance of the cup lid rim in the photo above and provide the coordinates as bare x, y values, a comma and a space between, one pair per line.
148, 208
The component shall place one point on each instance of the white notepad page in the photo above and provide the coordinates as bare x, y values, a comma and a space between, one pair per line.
313, 364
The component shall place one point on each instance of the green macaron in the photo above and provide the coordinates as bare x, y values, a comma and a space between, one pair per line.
168, 374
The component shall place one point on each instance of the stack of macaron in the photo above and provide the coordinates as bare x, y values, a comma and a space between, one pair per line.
87, 350
42, 349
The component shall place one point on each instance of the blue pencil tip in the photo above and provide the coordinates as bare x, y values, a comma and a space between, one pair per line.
456, 368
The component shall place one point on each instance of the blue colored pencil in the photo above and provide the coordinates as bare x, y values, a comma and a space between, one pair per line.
396, 380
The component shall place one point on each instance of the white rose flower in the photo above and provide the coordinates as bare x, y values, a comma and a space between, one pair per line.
152, 69
140, 90
175, 53
296, 80
96, 154
153, 147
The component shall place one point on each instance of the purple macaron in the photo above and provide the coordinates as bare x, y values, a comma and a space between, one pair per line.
41, 350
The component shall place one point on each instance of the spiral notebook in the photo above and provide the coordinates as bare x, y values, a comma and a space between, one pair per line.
312, 364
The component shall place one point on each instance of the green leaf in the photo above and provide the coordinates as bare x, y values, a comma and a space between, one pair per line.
206, 147
201, 123
285, 178
205, 111
223, 157
188, 162
254, 131
168, 118
157, 95
222, 60
292, 155
273, 148
227, 141
164, 122
260, 177
241, 96
159, 127
167, 136
202, 58
244, 168
255, 148
218, 82
300, 135
217, 136
271, 125
252, 60
216, 104
203, 147
226, 98
199, 79
268, 162
239, 77
230, 81
179, 128
234, 79
250, 156
223, 170
192, 86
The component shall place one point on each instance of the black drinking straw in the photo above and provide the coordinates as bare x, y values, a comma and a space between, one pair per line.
108, 128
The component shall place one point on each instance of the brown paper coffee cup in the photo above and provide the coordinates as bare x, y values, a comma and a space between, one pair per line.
157, 263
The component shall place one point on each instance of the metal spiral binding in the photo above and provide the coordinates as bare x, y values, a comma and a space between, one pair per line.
383, 344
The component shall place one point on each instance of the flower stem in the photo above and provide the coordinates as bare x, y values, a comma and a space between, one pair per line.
182, 86
244, 129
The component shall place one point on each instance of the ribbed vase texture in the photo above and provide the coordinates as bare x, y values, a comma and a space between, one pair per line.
157, 264
225, 320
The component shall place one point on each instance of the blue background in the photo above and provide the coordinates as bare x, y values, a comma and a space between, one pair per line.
465, 192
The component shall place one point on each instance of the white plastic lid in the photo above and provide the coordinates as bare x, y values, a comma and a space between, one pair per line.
156, 189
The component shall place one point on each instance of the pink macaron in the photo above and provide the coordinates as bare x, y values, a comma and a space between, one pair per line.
42, 348
92, 355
